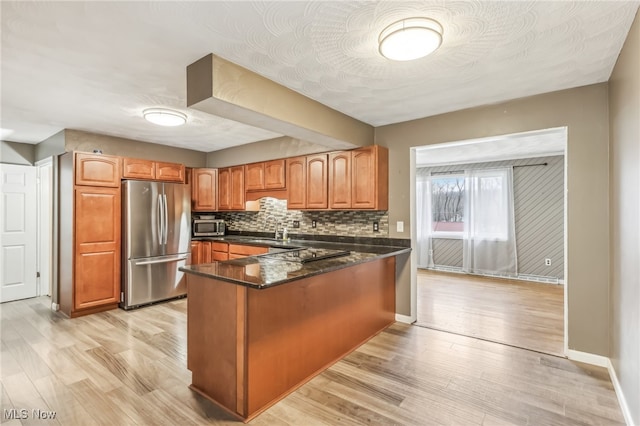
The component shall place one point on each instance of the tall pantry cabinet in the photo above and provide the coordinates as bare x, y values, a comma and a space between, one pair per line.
90, 235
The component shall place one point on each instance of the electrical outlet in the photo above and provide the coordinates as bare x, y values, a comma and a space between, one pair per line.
547, 262
296, 224
313, 223
399, 226
376, 227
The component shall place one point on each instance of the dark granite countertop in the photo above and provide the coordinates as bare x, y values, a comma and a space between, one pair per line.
269, 270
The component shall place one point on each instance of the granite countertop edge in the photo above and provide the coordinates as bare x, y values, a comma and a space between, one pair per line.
318, 267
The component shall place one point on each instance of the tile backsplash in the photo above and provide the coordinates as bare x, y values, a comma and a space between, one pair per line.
343, 223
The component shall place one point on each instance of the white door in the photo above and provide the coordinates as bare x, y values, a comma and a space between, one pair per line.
17, 232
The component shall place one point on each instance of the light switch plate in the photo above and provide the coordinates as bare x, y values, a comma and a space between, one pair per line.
400, 226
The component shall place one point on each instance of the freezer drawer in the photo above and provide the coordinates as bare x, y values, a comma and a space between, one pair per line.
153, 279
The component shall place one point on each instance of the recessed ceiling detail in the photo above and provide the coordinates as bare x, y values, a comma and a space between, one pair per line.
64, 65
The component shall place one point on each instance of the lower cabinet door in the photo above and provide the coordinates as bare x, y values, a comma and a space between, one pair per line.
97, 247
97, 279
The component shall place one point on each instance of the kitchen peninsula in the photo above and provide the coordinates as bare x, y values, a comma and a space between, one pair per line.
261, 326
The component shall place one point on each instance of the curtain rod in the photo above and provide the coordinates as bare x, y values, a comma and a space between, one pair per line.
531, 165
462, 171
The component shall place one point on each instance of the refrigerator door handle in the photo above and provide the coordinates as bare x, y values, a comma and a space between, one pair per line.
160, 221
165, 260
166, 218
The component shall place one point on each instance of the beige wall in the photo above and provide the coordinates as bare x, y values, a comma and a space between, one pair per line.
17, 153
76, 140
53, 145
584, 111
262, 151
624, 110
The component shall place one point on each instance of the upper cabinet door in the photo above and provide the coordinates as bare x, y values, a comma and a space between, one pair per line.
265, 175
297, 183
134, 168
317, 182
340, 180
274, 174
224, 189
169, 172
97, 170
254, 175
231, 188
237, 188
370, 178
203, 190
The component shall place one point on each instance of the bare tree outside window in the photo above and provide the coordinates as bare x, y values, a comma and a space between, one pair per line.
447, 203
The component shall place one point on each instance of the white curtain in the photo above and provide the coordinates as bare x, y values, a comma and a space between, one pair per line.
489, 224
423, 213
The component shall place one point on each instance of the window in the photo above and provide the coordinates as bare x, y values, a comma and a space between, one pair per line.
447, 206
489, 205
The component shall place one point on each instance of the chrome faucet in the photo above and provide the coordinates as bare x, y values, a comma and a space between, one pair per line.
275, 229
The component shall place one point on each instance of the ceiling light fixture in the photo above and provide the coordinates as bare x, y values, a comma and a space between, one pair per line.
410, 38
164, 117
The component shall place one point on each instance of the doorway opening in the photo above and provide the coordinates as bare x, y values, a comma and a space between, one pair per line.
474, 277
44, 185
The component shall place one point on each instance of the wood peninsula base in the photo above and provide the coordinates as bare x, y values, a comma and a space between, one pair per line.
248, 348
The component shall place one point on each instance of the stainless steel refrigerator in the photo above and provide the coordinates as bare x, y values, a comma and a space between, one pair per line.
156, 235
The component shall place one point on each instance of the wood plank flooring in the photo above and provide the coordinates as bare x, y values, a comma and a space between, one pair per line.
122, 368
525, 314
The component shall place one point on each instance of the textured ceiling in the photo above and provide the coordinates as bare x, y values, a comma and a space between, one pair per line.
96, 65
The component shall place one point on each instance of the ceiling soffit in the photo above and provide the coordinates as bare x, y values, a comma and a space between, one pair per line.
219, 87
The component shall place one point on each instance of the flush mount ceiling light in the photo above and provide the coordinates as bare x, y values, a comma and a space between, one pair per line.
164, 117
410, 38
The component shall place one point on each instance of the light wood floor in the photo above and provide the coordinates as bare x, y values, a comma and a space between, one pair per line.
520, 313
121, 368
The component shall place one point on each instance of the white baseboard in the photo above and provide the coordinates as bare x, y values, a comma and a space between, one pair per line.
405, 319
587, 358
55, 307
621, 399
603, 361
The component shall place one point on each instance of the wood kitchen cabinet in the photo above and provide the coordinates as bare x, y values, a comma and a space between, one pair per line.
89, 254
219, 250
204, 184
97, 170
307, 182
169, 172
316, 182
254, 176
296, 183
237, 251
135, 168
340, 180
370, 178
265, 175
209, 251
358, 179
97, 247
231, 188
195, 253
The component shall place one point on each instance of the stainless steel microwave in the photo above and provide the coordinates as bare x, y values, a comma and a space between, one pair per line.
207, 226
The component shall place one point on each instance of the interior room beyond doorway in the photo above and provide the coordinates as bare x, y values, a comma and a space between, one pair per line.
490, 239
